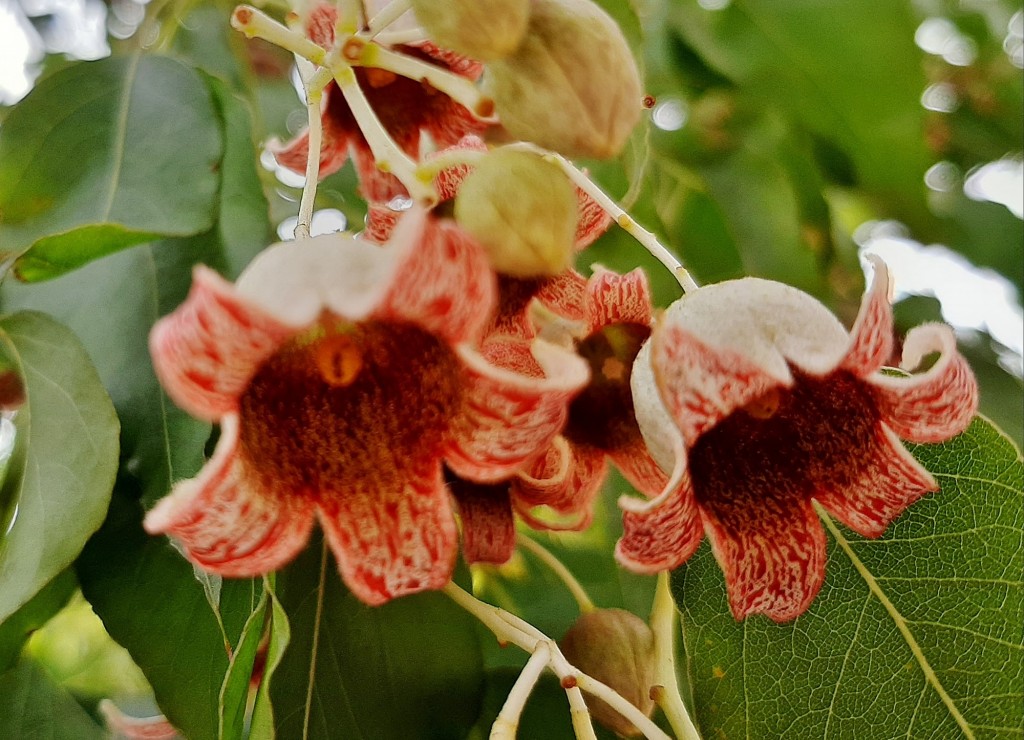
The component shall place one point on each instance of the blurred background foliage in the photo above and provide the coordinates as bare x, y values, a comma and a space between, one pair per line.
784, 139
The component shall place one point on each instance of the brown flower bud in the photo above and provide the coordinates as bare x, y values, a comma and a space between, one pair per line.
617, 648
572, 85
481, 29
522, 210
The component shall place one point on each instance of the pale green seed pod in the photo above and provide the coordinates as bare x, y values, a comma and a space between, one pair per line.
617, 648
482, 29
572, 85
522, 210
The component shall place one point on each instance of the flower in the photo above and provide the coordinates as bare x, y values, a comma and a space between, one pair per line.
344, 374
776, 406
406, 108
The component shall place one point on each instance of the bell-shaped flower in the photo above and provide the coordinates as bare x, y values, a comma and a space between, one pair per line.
406, 108
762, 404
344, 375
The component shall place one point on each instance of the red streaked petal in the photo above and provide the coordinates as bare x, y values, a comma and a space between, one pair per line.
566, 478
392, 540
637, 466
333, 149
488, 529
773, 556
380, 223
374, 185
449, 180
618, 299
871, 341
208, 349
229, 519
565, 294
510, 411
700, 384
890, 482
664, 537
591, 220
934, 405
445, 284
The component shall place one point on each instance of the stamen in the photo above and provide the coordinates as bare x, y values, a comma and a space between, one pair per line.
339, 360
765, 406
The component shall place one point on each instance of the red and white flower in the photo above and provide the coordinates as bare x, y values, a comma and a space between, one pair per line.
406, 108
344, 375
772, 406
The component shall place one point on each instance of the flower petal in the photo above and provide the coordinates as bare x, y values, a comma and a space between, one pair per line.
890, 482
664, 537
618, 299
637, 466
565, 294
333, 148
701, 384
871, 341
773, 556
444, 283
516, 401
566, 478
488, 529
295, 281
392, 539
375, 185
934, 405
206, 352
448, 181
381, 220
229, 519
591, 220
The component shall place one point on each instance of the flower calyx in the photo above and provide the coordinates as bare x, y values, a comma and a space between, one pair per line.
616, 647
572, 85
523, 211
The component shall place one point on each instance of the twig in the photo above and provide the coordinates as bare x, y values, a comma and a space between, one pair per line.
666, 690
313, 97
579, 593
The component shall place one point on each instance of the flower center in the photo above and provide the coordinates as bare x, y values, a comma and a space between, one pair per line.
602, 415
787, 444
346, 402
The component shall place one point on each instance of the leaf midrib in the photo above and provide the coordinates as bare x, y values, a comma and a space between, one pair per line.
120, 133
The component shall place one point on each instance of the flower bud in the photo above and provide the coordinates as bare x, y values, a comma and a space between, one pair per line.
522, 210
572, 85
617, 648
481, 29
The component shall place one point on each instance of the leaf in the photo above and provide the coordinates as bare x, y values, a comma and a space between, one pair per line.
69, 432
262, 724
151, 603
917, 634
408, 669
234, 693
94, 160
18, 627
831, 67
33, 706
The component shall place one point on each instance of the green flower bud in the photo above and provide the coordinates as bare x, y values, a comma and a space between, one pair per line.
481, 29
617, 648
572, 85
522, 210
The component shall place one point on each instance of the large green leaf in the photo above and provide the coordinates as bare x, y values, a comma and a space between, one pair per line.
68, 430
18, 627
151, 603
830, 66
96, 159
33, 706
408, 669
917, 634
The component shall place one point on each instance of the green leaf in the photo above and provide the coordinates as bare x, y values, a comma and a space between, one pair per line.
18, 627
408, 669
235, 692
262, 724
95, 158
69, 432
917, 634
831, 67
33, 706
151, 603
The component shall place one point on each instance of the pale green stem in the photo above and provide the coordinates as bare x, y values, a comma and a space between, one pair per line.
557, 567
350, 17
666, 689
647, 240
255, 23
458, 88
509, 628
405, 36
385, 17
313, 96
507, 722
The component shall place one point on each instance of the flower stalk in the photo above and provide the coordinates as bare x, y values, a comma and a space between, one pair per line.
557, 567
314, 94
666, 689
